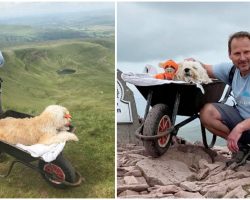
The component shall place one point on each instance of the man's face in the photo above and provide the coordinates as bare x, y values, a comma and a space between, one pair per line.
240, 54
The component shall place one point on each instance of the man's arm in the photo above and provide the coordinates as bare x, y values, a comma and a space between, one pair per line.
209, 70
206, 66
234, 136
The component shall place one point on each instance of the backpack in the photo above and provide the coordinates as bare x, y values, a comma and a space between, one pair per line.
231, 75
230, 80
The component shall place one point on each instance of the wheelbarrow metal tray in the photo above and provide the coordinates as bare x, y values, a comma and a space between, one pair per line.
12, 150
191, 97
16, 152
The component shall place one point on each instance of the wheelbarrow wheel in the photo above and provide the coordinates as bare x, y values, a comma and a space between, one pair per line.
58, 171
204, 138
157, 122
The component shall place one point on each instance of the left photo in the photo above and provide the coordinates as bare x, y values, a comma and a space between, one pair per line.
57, 105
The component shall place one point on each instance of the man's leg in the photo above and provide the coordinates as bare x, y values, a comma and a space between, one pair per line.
212, 120
220, 119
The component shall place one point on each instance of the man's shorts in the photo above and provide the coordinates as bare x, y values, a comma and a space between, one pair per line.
231, 117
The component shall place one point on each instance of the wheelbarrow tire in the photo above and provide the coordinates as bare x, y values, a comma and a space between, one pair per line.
157, 121
58, 171
204, 138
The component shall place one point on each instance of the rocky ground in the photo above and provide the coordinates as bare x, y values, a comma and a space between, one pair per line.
184, 171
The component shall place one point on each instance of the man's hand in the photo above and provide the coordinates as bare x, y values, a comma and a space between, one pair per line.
190, 59
232, 139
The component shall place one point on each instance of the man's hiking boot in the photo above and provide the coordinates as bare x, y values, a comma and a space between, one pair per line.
240, 157
243, 150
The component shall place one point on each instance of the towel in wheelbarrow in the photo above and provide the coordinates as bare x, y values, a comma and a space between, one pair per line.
47, 152
148, 80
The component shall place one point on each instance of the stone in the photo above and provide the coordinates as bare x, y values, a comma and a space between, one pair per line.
128, 193
236, 193
219, 177
202, 163
152, 196
137, 184
164, 189
184, 171
188, 154
210, 186
185, 194
216, 192
203, 173
211, 167
135, 172
239, 175
120, 172
189, 186
136, 156
243, 168
161, 172
144, 192
130, 180
239, 182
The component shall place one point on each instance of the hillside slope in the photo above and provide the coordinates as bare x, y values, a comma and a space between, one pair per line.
32, 82
30, 74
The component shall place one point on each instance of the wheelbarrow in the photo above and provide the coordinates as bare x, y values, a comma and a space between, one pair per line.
59, 173
166, 102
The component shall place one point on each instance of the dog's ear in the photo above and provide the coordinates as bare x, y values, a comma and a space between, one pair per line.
161, 64
180, 64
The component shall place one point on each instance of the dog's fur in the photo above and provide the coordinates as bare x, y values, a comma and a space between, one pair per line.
192, 72
50, 127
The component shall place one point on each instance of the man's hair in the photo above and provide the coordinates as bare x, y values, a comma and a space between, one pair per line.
240, 34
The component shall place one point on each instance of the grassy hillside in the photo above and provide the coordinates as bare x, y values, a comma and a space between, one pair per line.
32, 82
12, 35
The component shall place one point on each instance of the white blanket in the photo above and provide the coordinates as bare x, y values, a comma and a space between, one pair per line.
47, 152
148, 80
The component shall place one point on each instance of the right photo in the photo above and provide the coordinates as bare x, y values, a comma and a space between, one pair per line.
183, 100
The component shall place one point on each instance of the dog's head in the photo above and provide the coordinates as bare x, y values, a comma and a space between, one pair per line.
190, 71
58, 115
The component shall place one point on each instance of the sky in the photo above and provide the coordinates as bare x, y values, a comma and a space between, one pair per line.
15, 9
153, 32
149, 33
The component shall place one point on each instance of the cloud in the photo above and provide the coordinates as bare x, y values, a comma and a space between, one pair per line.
20, 9
158, 31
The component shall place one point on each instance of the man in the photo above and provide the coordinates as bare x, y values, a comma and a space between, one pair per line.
232, 122
1, 59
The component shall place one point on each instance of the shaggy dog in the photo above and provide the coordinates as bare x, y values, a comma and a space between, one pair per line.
192, 72
50, 127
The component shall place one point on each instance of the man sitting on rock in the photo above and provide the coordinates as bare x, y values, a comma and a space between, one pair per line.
232, 122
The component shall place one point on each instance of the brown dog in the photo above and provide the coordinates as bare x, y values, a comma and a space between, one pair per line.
48, 128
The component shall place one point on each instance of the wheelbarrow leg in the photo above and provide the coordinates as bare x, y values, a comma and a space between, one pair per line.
176, 107
149, 98
204, 138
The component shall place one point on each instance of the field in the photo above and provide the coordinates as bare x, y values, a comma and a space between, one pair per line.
32, 82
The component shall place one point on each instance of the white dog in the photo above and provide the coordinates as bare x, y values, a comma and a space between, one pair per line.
50, 127
192, 72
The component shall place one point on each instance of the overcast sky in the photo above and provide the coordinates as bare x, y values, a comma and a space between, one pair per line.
20, 9
148, 33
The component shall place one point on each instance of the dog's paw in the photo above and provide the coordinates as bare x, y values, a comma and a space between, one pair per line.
73, 137
64, 128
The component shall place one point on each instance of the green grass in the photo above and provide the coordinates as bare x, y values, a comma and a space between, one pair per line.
12, 35
31, 83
